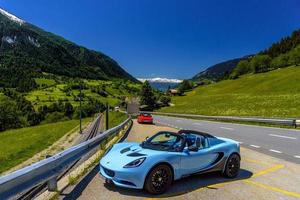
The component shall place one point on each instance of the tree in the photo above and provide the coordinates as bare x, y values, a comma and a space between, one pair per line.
9, 114
147, 96
294, 56
260, 63
69, 109
280, 61
184, 86
165, 100
243, 67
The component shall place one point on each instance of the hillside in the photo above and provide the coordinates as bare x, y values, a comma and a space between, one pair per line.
26, 51
54, 89
218, 71
284, 45
275, 94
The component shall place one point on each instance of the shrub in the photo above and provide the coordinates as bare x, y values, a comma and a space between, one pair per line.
243, 67
260, 63
280, 61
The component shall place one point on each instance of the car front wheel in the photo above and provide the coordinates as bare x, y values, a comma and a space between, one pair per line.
232, 166
159, 179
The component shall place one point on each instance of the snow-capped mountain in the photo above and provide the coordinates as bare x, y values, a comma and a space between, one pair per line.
27, 51
160, 80
161, 83
12, 17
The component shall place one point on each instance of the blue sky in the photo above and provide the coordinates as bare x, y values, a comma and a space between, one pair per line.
166, 38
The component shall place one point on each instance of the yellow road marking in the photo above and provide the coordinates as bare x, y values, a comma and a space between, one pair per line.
260, 173
252, 161
294, 194
276, 167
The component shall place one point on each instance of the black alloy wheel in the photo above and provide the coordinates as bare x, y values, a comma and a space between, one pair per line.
159, 179
232, 167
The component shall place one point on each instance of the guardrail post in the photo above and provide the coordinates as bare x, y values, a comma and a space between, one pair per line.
296, 122
106, 115
52, 184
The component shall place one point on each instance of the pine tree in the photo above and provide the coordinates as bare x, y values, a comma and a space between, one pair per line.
147, 96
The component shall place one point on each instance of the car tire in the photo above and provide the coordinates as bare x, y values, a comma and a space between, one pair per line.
159, 179
232, 166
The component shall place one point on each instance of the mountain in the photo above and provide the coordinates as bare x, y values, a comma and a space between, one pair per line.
27, 51
218, 71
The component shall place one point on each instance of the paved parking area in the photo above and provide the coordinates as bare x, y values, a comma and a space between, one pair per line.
261, 177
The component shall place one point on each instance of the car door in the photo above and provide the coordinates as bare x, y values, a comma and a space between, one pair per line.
193, 162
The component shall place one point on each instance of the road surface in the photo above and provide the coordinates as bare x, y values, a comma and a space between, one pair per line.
262, 177
277, 142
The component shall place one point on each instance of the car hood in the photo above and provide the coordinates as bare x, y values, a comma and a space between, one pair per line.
124, 153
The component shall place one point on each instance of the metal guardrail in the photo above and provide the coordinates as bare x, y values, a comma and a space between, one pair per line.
47, 170
289, 121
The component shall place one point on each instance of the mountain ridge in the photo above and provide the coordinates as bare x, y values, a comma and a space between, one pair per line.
24, 46
219, 70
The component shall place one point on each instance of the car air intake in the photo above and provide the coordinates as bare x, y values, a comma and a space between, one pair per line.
125, 150
108, 172
135, 154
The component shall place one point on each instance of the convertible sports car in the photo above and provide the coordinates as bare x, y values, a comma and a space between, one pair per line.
145, 118
166, 156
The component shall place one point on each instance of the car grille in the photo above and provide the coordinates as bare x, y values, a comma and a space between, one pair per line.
108, 172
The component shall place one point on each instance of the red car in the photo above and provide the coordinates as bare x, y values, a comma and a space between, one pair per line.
145, 118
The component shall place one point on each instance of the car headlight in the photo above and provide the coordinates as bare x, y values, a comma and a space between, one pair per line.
135, 163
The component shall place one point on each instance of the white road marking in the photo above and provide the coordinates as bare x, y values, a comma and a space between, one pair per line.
255, 146
275, 151
282, 136
226, 128
197, 124
297, 156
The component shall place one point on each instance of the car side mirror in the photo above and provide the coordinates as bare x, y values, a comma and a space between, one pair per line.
193, 148
146, 138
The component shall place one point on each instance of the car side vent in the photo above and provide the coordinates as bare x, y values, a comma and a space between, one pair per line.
125, 150
135, 154
220, 156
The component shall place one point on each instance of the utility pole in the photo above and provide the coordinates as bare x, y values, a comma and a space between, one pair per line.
80, 107
106, 116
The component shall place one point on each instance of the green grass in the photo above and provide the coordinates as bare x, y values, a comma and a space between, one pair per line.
44, 81
51, 90
19, 145
274, 94
116, 118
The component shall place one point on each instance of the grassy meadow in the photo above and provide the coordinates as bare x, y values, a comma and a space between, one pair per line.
275, 94
18, 145
53, 89
115, 118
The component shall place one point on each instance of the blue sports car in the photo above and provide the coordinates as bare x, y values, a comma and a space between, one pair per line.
166, 156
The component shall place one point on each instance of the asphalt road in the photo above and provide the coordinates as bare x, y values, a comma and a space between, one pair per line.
277, 142
262, 177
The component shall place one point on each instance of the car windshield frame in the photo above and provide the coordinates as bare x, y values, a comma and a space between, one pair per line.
163, 146
145, 115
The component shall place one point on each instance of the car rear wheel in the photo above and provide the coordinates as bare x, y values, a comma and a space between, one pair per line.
232, 167
159, 179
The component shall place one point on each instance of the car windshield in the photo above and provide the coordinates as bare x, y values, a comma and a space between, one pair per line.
164, 141
146, 115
